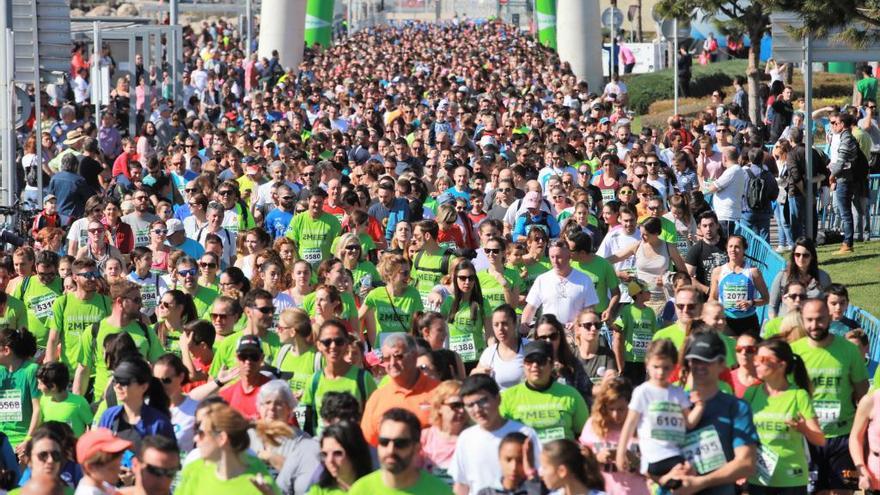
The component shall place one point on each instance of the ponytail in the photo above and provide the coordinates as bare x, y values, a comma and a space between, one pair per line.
799, 371
581, 462
273, 433
20, 340
156, 396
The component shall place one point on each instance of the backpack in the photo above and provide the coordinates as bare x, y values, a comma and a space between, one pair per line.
761, 190
541, 222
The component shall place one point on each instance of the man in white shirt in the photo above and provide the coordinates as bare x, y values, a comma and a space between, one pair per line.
475, 464
562, 292
621, 239
728, 191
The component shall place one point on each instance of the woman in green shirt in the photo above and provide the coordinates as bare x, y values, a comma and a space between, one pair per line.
467, 315
391, 308
346, 458
499, 285
20, 412
350, 250
784, 416
175, 309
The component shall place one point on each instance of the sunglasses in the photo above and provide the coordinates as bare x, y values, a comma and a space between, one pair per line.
165, 304
641, 176
160, 231
455, 406
208, 265
219, 316
465, 278
265, 309
748, 349
353, 247
96, 231
540, 361
123, 382
799, 297
339, 341
688, 307
492, 250
591, 324
397, 443
191, 272
767, 360
46, 454
250, 356
169, 473
477, 404
190, 190
224, 193
802, 255
549, 337
167, 380
89, 275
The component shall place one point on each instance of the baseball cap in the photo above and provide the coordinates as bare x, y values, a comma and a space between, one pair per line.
249, 343
174, 225
49, 197
604, 120
532, 199
706, 346
538, 348
99, 440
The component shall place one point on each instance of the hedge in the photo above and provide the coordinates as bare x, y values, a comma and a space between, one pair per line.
645, 89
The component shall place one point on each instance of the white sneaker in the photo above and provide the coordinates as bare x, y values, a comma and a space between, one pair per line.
780, 249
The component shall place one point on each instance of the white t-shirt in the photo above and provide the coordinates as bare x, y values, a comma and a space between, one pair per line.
475, 462
506, 373
662, 427
152, 289
728, 200
183, 418
563, 297
79, 231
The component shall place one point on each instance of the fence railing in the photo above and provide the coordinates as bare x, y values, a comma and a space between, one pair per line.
759, 254
829, 219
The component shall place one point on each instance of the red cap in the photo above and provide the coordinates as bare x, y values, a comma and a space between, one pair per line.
99, 440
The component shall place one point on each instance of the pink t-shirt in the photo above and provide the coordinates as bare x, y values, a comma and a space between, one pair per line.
616, 483
437, 448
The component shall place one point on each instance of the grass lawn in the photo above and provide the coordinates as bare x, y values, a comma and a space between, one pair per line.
859, 271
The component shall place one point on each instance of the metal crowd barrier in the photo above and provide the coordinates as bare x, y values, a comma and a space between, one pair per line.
829, 219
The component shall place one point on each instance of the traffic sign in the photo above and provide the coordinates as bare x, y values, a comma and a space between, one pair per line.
606, 17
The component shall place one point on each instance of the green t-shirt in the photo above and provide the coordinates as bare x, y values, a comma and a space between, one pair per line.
604, 278
345, 383
466, 333
782, 455
72, 317
834, 369
15, 316
363, 269
313, 237
532, 272
393, 313
638, 326
772, 327
302, 366
557, 412
493, 293
224, 353
317, 490
349, 308
868, 88
66, 491
427, 271
372, 484
38, 299
92, 349
675, 333
18, 390
203, 300
200, 476
73, 410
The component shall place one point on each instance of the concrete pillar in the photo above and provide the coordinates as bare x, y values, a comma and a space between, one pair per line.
579, 40
282, 27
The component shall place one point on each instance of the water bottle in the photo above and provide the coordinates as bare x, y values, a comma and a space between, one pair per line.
367, 281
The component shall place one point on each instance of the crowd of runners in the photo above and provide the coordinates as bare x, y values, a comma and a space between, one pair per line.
429, 260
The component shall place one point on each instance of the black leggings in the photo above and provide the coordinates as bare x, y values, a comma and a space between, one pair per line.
771, 490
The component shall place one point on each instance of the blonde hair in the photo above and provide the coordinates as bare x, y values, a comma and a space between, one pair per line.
391, 264
297, 319
446, 214
439, 395
272, 433
343, 241
608, 393
222, 418
792, 327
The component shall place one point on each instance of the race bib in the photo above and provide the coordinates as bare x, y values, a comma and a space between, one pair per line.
734, 293
767, 460
608, 195
42, 305
640, 345
142, 237
827, 412
149, 296
312, 256
667, 422
682, 243
10, 406
464, 346
448, 246
550, 434
702, 448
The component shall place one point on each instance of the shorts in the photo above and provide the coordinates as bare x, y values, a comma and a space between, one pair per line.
748, 325
634, 372
830, 462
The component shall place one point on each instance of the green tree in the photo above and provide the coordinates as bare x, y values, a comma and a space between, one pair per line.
747, 17
854, 21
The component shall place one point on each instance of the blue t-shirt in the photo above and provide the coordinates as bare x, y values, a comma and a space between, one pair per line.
731, 419
734, 287
277, 222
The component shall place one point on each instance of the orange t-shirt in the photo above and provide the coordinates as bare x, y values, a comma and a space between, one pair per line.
416, 400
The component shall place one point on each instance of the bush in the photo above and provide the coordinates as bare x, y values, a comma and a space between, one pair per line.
645, 89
